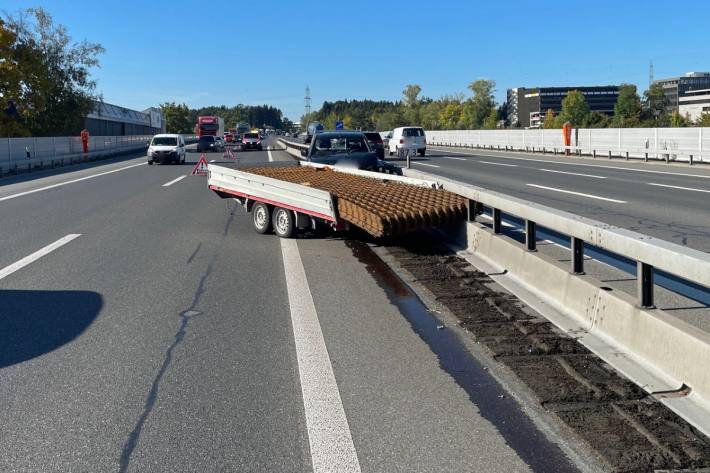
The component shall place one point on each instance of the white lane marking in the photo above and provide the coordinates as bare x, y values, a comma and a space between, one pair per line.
549, 161
424, 164
499, 164
572, 173
212, 161
37, 255
268, 152
679, 187
331, 442
564, 191
167, 184
20, 194
457, 159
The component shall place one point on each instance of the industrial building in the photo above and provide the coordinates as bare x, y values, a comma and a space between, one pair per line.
676, 87
527, 106
693, 103
111, 120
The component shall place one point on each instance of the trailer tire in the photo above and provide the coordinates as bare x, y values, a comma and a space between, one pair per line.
283, 222
261, 218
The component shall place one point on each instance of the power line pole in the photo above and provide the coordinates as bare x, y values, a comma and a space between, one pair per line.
308, 100
650, 74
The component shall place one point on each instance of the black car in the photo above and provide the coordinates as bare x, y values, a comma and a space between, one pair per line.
207, 143
346, 148
375, 141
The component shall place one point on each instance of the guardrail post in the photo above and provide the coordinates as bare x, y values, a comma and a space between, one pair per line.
691, 159
644, 284
609, 154
530, 235
473, 209
497, 221
577, 249
594, 153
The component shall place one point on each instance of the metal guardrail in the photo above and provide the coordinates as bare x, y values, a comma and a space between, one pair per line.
667, 144
648, 252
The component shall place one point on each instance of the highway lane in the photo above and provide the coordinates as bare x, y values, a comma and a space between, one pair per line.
668, 203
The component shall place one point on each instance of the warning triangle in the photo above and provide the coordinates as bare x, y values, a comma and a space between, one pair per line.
200, 168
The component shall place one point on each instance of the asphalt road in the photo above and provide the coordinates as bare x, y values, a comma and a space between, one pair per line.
669, 202
144, 326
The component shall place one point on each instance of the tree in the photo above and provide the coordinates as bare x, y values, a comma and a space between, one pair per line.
678, 120
50, 78
491, 121
550, 120
574, 109
411, 95
655, 107
479, 106
598, 120
627, 111
703, 120
177, 117
450, 115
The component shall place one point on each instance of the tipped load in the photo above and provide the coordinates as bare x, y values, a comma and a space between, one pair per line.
381, 207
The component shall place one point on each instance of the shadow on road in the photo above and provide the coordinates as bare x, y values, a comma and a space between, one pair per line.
33, 323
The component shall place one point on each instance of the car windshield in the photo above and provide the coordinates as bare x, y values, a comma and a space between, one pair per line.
251, 135
206, 139
374, 137
412, 132
208, 126
164, 141
329, 145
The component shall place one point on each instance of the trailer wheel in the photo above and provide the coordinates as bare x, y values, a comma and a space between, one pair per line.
261, 218
283, 222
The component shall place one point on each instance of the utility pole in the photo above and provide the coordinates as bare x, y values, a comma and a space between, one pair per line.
650, 73
308, 101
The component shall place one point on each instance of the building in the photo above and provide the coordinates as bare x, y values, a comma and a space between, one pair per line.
676, 87
111, 120
694, 103
527, 106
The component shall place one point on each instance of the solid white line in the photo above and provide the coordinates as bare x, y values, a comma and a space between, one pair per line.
331, 442
37, 255
499, 164
20, 194
167, 184
268, 152
424, 164
577, 193
679, 187
457, 159
551, 161
572, 173
212, 161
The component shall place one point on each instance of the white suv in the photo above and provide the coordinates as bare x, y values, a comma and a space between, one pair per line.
408, 137
166, 148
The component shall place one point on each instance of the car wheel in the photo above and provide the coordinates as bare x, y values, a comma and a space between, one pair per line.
261, 218
282, 221
150, 162
422, 152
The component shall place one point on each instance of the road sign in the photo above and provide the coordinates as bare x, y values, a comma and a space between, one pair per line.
200, 168
339, 125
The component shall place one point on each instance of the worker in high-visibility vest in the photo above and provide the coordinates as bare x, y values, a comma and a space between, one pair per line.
85, 140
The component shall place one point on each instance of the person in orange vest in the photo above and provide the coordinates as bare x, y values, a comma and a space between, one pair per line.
85, 140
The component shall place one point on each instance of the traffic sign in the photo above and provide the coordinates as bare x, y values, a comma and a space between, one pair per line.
200, 168
339, 125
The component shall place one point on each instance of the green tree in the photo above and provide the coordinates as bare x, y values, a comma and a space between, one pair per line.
627, 111
678, 120
574, 109
479, 106
55, 90
550, 120
703, 120
177, 117
451, 115
491, 121
655, 107
598, 120
411, 95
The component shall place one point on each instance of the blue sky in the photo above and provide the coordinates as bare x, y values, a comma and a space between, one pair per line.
212, 53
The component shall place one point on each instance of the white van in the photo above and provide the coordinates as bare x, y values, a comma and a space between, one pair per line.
408, 137
166, 148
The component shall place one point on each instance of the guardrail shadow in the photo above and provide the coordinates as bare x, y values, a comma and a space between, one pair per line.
33, 323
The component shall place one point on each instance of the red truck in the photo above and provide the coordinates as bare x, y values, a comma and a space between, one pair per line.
209, 126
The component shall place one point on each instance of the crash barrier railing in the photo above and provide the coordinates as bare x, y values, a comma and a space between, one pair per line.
293, 148
690, 145
26, 154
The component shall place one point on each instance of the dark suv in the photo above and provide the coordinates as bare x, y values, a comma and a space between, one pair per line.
207, 143
375, 141
346, 148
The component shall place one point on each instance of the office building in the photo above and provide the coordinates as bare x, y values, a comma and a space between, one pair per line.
693, 103
676, 87
527, 106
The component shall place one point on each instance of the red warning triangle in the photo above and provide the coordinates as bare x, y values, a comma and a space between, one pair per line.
200, 168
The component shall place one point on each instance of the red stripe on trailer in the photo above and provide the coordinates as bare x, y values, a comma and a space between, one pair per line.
272, 202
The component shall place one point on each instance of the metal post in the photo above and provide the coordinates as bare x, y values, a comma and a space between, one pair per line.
627, 155
609, 154
644, 284
474, 209
691, 159
577, 248
409, 166
530, 237
497, 221
594, 153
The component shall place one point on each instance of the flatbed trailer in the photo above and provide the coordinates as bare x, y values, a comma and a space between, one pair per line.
285, 207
